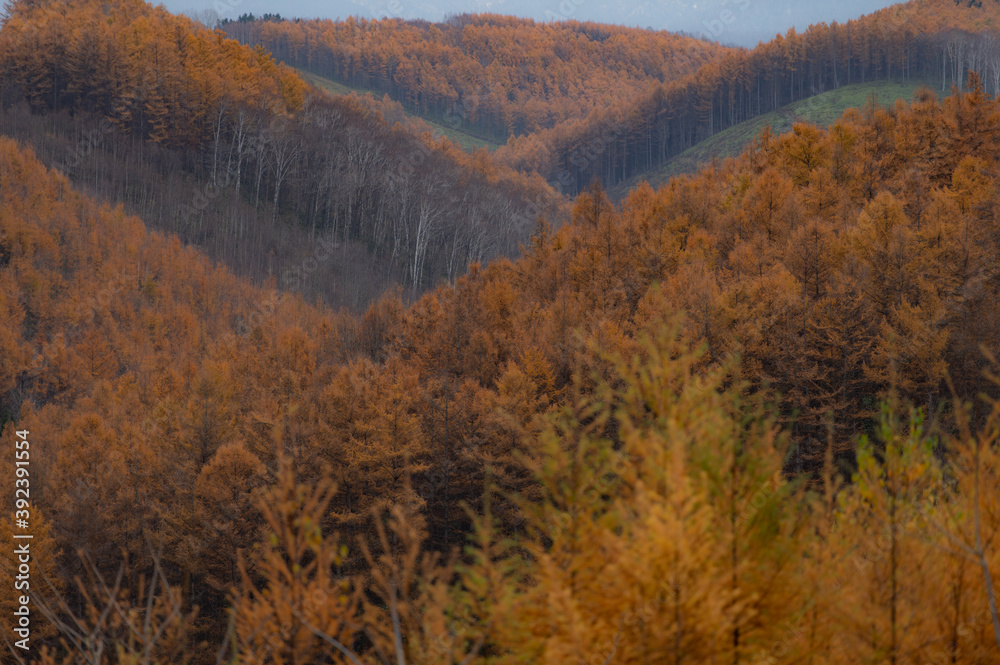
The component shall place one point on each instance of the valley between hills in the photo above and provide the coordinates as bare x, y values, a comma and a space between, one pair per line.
494, 341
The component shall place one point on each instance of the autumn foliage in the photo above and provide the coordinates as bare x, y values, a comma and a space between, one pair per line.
498, 76
574, 101
750, 417
167, 397
217, 143
934, 41
147, 69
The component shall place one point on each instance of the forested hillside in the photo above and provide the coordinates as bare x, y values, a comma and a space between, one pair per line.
821, 110
393, 112
217, 143
935, 40
494, 75
651, 416
751, 416
574, 101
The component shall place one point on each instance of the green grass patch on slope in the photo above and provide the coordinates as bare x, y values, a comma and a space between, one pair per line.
468, 142
822, 109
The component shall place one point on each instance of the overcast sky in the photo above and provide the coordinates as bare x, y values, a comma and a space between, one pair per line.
743, 22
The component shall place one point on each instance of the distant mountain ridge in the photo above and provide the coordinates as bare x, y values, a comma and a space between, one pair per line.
918, 40
635, 123
738, 22
496, 75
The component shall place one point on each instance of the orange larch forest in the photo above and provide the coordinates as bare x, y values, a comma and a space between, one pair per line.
748, 417
216, 143
504, 76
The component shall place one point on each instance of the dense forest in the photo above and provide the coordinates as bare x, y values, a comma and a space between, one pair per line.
745, 325
576, 103
217, 143
935, 41
750, 417
497, 75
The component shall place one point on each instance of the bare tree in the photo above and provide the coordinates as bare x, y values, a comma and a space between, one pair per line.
285, 146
